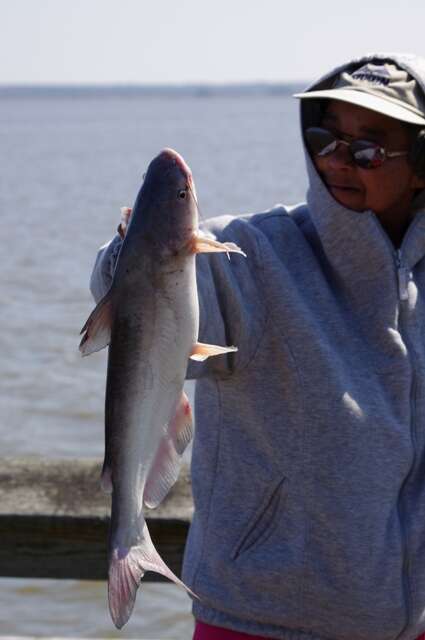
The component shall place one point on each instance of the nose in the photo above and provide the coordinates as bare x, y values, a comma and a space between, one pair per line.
340, 158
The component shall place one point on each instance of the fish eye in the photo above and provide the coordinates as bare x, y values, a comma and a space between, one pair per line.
182, 193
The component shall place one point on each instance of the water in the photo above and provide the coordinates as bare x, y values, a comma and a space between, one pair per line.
69, 163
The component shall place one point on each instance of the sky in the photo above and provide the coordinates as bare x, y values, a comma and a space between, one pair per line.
197, 41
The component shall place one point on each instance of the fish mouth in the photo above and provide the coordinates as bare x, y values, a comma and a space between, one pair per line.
176, 158
168, 154
191, 187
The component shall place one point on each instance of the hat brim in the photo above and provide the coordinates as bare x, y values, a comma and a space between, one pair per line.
368, 101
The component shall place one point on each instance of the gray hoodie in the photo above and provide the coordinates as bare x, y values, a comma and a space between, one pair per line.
308, 461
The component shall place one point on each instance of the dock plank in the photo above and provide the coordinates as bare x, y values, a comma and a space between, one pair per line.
54, 520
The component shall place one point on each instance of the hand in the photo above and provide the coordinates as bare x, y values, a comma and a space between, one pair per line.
125, 217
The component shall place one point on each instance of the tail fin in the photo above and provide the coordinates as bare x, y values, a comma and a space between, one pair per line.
126, 568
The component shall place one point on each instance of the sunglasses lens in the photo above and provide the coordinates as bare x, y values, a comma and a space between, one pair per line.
320, 141
367, 155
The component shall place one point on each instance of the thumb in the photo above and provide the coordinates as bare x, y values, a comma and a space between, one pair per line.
125, 217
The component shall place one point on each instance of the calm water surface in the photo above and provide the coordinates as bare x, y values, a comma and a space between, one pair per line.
68, 166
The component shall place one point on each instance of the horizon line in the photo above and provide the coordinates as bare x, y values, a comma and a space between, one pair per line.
188, 83
200, 89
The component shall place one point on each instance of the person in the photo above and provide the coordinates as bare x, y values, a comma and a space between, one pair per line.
308, 459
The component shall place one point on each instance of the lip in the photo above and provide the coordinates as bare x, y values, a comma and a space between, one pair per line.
343, 187
341, 183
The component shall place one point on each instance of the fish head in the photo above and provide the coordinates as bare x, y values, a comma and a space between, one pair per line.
167, 203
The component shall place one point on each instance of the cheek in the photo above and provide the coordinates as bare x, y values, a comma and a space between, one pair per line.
384, 188
319, 163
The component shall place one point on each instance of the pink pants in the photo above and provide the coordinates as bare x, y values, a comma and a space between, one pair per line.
208, 632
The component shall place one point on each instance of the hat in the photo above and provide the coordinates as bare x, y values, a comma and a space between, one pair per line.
380, 87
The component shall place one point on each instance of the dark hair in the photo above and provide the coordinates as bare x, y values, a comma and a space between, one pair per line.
417, 148
312, 112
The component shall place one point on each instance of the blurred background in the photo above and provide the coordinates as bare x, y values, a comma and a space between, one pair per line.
89, 93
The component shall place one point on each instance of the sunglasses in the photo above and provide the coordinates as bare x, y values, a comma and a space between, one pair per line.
365, 154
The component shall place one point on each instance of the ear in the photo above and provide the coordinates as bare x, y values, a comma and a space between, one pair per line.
416, 160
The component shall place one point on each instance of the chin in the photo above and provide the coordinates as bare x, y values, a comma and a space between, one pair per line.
348, 200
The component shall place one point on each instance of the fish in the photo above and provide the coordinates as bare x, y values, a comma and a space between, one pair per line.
150, 320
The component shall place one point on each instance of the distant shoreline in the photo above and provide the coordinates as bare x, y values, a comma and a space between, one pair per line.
190, 90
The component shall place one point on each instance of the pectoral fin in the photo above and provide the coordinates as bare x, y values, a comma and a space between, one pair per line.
97, 330
202, 351
205, 244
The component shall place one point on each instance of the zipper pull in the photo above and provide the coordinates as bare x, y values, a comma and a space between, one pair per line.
403, 276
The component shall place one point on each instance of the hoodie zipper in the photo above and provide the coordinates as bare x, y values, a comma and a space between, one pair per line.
403, 277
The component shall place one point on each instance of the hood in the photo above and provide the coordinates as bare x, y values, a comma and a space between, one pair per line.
310, 113
342, 229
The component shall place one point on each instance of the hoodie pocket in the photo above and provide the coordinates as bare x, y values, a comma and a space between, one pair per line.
264, 520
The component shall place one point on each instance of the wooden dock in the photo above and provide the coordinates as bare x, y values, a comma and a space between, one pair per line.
54, 520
